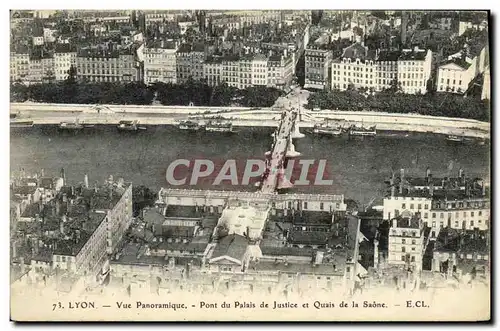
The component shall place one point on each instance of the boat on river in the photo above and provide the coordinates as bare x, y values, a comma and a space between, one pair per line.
74, 126
328, 129
130, 126
362, 131
219, 126
21, 124
189, 125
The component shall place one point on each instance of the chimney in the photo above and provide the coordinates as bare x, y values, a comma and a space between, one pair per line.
86, 181
188, 270
319, 258
61, 227
14, 249
393, 188
63, 176
21, 263
401, 183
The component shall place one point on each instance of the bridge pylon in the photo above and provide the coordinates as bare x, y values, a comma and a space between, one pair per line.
290, 151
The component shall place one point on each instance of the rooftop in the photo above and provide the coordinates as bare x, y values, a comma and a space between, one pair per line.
417, 55
463, 241
458, 61
407, 221
233, 245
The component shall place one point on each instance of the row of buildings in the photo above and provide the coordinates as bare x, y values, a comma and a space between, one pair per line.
424, 211
168, 47
392, 62
66, 231
221, 242
376, 70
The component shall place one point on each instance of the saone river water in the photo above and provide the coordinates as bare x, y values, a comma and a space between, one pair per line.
358, 168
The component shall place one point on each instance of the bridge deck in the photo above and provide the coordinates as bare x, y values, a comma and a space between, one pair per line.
278, 152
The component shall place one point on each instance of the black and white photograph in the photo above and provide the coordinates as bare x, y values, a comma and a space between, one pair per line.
250, 165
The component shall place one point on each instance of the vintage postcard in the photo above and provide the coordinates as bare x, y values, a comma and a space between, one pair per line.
263, 165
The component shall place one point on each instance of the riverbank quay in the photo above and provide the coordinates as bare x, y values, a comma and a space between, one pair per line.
42, 114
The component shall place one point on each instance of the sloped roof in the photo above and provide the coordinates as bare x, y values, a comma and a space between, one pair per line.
356, 51
233, 246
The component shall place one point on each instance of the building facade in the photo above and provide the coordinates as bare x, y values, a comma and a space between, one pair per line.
455, 75
160, 63
406, 241
107, 66
317, 66
414, 70
62, 63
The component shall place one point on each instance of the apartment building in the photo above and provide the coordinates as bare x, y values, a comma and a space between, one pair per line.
231, 71
160, 62
19, 66
406, 241
212, 71
455, 202
441, 23
361, 68
107, 65
280, 71
357, 68
259, 68
387, 69
414, 70
81, 251
64, 58
317, 66
189, 62
41, 67
245, 71
466, 25
455, 74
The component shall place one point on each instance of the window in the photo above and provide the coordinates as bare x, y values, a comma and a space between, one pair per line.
413, 259
411, 206
403, 240
441, 215
425, 215
426, 206
321, 206
433, 215
403, 205
305, 204
419, 206
403, 249
480, 213
402, 258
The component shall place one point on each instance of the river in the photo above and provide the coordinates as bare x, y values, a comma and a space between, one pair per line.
357, 168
